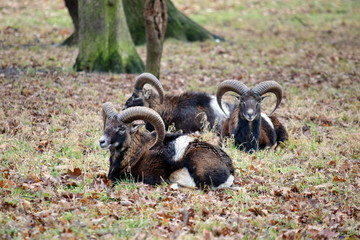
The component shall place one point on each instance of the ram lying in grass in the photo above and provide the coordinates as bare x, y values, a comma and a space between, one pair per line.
186, 111
157, 157
252, 129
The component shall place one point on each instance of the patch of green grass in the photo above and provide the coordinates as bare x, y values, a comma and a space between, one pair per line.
10, 201
54, 128
126, 227
317, 178
67, 216
68, 150
127, 185
20, 149
240, 197
210, 225
53, 16
9, 233
287, 224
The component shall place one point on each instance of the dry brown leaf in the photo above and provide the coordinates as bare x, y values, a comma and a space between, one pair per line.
44, 213
332, 163
7, 183
71, 183
257, 211
338, 179
295, 188
67, 236
293, 234
207, 235
326, 234
76, 173
5, 172
252, 167
34, 178
26, 205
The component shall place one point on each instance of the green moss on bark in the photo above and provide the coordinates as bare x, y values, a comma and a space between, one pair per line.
133, 65
179, 25
104, 40
115, 63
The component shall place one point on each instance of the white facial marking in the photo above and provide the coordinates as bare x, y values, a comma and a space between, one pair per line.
250, 111
181, 144
228, 182
267, 119
217, 110
103, 142
103, 138
183, 178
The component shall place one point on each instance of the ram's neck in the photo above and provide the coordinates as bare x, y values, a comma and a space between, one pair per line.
166, 110
153, 102
247, 134
133, 154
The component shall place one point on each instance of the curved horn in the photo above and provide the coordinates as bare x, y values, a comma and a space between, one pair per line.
109, 109
269, 87
148, 78
146, 114
230, 85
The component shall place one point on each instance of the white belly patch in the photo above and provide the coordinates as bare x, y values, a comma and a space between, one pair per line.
183, 178
228, 182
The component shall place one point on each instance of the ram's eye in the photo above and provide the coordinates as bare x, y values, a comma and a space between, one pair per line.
120, 130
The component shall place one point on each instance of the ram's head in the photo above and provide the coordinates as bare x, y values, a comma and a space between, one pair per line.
141, 96
118, 127
250, 98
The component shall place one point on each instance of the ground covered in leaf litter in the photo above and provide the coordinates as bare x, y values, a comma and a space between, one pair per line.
53, 175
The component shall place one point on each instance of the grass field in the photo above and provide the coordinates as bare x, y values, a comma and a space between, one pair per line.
53, 181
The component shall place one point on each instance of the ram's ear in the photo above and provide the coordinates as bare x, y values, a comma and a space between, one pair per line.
263, 98
134, 127
237, 97
147, 93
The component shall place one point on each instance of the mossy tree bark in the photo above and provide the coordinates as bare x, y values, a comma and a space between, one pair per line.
155, 15
105, 42
179, 26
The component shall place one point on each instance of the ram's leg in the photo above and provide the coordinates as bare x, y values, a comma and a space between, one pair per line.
227, 183
183, 178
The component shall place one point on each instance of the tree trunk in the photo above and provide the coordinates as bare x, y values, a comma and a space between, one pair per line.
155, 15
179, 26
72, 6
104, 40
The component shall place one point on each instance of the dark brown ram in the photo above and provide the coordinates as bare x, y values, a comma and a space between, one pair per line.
156, 157
186, 111
252, 129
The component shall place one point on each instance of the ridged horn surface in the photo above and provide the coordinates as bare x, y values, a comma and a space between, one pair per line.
143, 113
109, 109
148, 78
269, 87
227, 86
